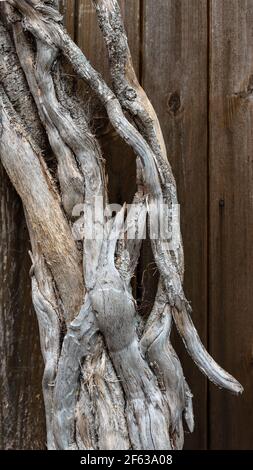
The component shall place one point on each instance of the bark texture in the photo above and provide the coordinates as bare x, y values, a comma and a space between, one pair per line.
112, 379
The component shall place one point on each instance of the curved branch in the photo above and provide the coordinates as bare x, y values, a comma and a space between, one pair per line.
199, 354
44, 26
25, 168
49, 327
79, 341
155, 344
134, 99
41, 86
16, 88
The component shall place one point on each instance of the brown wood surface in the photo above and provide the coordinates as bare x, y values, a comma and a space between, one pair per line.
21, 402
175, 78
68, 9
195, 60
231, 217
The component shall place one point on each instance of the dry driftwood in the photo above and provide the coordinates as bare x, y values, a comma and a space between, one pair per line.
112, 380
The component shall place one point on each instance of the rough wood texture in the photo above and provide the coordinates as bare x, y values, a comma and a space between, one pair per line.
22, 424
231, 215
172, 36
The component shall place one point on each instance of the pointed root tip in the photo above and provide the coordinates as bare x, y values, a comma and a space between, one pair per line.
190, 423
237, 388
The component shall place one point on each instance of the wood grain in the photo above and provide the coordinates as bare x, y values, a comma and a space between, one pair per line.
169, 41
68, 9
22, 423
174, 69
231, 217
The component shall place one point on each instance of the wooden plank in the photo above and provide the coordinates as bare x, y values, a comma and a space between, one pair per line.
22, 423
175, 78
67, 8
231, 217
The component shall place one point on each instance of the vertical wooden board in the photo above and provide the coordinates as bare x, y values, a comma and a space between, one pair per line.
22, 423
67, 8
119, 157
175, 77
231, 217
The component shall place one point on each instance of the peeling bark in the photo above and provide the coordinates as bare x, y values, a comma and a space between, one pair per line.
112, 380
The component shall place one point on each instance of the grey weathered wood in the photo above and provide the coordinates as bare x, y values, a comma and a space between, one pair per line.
231, 216
108, 315
26, 170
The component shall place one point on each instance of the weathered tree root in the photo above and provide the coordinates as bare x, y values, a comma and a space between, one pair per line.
108, 384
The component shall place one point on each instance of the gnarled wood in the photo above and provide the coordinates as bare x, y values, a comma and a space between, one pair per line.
105, 368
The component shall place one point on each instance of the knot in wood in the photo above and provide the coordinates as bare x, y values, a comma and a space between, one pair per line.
129, 94
174, 102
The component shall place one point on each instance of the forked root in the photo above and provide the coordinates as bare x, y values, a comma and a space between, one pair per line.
108, 382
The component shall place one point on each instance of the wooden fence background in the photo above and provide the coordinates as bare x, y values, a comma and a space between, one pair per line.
195, 60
